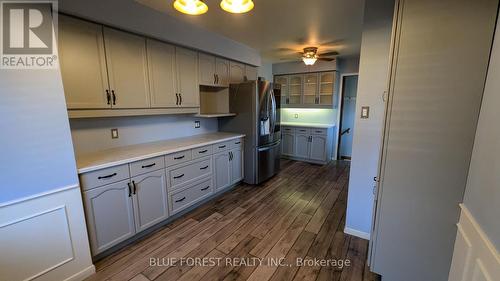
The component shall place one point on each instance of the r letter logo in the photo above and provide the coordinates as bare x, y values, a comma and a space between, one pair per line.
28, 30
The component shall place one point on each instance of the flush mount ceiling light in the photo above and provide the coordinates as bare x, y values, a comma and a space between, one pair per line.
309, 58
236, 6
191, 7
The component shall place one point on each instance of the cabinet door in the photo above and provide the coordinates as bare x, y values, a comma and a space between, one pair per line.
318, 148
236, 72
310, 92
236, 165
302, 146
288, 144
162, 74
283, 81
110, 215
127, 68
251, 72
222, 72
150, 199
187, 78
222, 170
295, 88
83, 64
326, 88
206, 74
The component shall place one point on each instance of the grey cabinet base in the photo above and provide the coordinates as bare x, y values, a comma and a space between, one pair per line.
306, 160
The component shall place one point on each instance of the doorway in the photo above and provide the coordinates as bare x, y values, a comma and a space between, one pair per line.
348, 92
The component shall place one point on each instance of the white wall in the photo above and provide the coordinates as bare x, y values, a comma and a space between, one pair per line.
132, 16
266, 71
94, 134
482, 194
309, 115
373, 74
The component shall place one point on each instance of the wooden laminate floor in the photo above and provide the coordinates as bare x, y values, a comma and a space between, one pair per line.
298, 214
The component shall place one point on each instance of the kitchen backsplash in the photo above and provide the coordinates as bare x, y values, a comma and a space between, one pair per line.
309, 115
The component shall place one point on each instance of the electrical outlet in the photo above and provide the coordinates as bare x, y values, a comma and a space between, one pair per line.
114, 133
296, 115
197, 124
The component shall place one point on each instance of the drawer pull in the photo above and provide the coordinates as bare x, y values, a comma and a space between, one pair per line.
129, 190
180, 157
237, 142
179, 176
319, 131
202, 151
180, 200
222, 146
203, 189
148, 166
203, 168
107, 177
302, 130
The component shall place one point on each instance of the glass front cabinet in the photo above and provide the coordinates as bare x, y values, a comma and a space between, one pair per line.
314, 89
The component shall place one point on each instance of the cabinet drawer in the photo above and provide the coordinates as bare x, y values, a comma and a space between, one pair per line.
144, 166
202, 151
302, 130
177, 158
218, 147
189, 172
105, 176
288, 129
191, 195
237, 143
319, 131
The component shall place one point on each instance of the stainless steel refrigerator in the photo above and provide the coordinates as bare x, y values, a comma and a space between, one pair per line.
257, 105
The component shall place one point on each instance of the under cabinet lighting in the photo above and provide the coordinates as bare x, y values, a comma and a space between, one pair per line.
237, 6
191, 7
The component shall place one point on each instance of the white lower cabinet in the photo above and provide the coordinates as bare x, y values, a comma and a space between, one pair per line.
288, 144
307, 144
110, 215
236, 164
302, 146
190, 195
318, 145
222, 175
150, 199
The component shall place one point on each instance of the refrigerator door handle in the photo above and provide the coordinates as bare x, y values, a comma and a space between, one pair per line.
273, 111
267, 147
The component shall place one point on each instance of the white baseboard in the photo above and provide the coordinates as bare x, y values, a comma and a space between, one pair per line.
357, 233
474, 257
45, 238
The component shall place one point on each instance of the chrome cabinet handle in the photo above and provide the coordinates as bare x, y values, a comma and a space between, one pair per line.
148, 166
179, 176
180, 200
107, 177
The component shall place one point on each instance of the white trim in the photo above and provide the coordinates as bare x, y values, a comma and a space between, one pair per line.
339, 111
42, 194
82, 274
357, 233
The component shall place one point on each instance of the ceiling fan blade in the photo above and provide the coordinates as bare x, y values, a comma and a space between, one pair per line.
326, 59
332, 53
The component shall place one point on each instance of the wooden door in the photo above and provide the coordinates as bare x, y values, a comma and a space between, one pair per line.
187, 78
83, 64
288, 144
222, 173
206, 70
236, 72
222, 72
162, 74
318, 148
127, 69
150, 199
110, 215
302, 146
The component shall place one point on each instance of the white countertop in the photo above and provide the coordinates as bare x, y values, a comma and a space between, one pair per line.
308, 125
127, 154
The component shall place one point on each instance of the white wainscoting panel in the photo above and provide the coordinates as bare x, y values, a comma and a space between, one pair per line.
474, 257
45, 238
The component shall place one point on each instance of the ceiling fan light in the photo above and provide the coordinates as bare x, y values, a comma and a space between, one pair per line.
191, 7
237, 6
309, 61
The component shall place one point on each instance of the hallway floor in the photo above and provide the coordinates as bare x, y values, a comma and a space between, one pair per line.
296, 216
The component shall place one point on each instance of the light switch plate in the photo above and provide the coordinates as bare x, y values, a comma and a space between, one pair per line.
197, 124
365, 112
114, 133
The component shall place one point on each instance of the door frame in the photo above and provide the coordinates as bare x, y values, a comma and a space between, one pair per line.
339, 111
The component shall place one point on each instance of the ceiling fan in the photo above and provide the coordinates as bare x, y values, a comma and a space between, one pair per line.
310, 55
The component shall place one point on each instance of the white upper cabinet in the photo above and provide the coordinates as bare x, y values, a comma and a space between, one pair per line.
162, 74
207, 70
251, 72
187, 80
236, 72
127, 69
222, 72
314, 89
83, 64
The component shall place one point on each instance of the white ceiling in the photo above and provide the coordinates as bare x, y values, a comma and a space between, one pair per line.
275, 25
